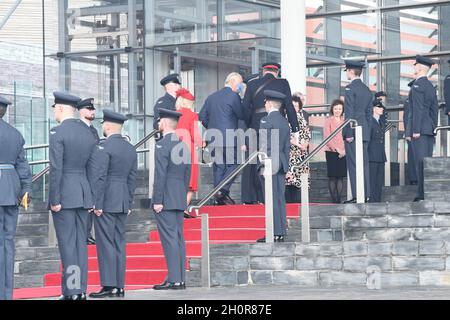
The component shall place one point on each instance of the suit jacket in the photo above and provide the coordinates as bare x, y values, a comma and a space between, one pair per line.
172, 173
71, 146
377, 150
447, 93
253, 101
221, 113
358, 106
278, 150
165, 102
112, 174
13, 183
424, 108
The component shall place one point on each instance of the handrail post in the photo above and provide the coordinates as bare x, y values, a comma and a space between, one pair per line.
360, 192
387, 168
402, 162
268, 180
206, 268
52, 241
306, 232
448, 143
151, 166
439, 137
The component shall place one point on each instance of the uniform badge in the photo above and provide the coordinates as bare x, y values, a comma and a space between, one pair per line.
416, 86
348, 89
158, 146
52, 132
160, 102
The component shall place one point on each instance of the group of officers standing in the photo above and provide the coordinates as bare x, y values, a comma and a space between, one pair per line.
93, 178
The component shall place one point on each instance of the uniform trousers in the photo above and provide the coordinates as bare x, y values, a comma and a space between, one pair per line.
376, 181
225, 163
422, 148
8, 225
412, 171
70, 227
279, 202
350, 150
111, 248
170, 228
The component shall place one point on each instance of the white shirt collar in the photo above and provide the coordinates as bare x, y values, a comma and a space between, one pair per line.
273, 110
86, 122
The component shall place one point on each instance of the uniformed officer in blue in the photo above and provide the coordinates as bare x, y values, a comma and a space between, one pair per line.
172, 175
423, 118
377, 153
358, 106
114, 171
171, 84
447, 95
253, 106
15, 188
87, 111
412, 174
275, 125
70, 194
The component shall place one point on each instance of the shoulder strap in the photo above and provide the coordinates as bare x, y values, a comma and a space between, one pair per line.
262, 87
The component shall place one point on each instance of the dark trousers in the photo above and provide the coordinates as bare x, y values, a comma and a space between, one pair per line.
251, 184
90, 224
293, 194
350, 150
422, 148
279, 203
8, 225
412, 171
225, 163
111, 248
376, 181
70, 226
170, 227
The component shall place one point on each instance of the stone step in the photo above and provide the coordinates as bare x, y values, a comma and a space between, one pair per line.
37, 267
28, 281
399, 193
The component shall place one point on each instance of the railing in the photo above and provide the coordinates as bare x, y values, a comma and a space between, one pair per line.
437, 131
304, 208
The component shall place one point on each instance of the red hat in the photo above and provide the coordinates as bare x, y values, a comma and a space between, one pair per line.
184, 93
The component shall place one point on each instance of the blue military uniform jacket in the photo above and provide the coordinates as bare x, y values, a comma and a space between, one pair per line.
165, 102
254, 98
14, 183
222, 111
71, 145
424, 108
276, 121
358, 106
112, 173
447, 93
172, 173
377, 151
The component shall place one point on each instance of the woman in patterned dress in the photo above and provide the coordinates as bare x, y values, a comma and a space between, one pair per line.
299, 151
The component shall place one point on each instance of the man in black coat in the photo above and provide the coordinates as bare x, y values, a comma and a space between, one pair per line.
377, 153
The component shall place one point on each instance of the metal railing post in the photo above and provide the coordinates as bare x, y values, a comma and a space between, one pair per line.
448, 143
206, 270
360, 192
306, 231
52, 241
402, 161
438, 152
387, 168
268, 182
349, 188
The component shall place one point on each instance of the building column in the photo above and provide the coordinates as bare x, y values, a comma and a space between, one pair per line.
63, 47
293, 43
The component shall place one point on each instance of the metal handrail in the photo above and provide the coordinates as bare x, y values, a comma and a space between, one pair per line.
233, 175
325, 142
441, 129
37, 146
47, 169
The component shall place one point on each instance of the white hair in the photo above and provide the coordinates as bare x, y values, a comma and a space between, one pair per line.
232, 76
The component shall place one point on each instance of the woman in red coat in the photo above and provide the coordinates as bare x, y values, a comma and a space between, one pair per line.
189, 132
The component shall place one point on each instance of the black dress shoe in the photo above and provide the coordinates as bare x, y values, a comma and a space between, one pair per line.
90, 241
120, 293
263, 240
227, 200
279, 239
77, 297
350, 201
106, 292
219, 200
418, 199
170, 286
188, 216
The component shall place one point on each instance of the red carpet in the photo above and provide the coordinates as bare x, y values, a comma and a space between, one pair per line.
146, 265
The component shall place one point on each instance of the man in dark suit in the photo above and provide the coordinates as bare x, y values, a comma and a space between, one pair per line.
254, 110
412, 173
377, 153
15, 190
423, 118
358, 106
171, 84
87, 110
70, 195
276, 143
220, 115
447, 95
172, 175
114, 168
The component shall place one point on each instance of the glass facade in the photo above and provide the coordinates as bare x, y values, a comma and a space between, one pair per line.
116, 52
